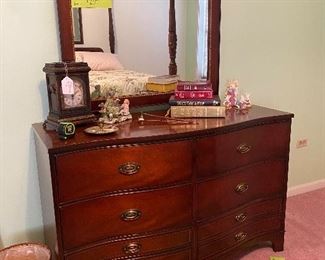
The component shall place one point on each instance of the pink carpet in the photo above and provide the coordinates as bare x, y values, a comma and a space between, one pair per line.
305, 230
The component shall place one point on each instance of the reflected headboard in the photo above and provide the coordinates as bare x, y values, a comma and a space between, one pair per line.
91, 49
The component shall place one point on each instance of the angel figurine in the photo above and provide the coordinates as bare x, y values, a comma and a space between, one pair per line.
125, 107
125, 111
231, 94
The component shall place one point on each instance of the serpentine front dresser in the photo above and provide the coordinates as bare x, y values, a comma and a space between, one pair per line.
167, 191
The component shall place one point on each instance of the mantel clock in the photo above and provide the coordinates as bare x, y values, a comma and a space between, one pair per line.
68, 93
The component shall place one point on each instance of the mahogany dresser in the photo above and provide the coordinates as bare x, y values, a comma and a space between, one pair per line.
167, 191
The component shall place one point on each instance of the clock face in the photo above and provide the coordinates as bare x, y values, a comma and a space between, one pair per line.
77, 98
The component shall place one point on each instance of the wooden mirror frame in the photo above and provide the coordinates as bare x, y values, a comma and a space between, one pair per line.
214, 12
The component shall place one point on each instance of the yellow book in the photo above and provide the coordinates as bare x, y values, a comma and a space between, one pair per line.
163, 79
197, 111
277, 258
161, 87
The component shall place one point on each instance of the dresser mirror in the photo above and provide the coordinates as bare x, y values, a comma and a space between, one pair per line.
77, 26
175, 46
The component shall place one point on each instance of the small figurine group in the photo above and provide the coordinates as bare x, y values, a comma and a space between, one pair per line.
112, 112
231, 97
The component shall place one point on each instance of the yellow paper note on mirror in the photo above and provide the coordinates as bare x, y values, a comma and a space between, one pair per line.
91, 3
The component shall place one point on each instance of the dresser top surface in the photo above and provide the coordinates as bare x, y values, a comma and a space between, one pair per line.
133, 132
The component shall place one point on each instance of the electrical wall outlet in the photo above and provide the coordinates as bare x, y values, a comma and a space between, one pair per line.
302, 143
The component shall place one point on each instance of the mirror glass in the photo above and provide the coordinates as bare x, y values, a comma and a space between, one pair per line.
141, 36
77, 26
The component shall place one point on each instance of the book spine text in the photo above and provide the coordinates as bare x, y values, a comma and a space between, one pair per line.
211, 102
194, 87
193, 94
198, 111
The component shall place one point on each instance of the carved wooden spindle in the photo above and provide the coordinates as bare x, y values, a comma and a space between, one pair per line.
111, 31
172, 38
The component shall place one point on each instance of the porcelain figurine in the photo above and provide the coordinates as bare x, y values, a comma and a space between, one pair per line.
231, 95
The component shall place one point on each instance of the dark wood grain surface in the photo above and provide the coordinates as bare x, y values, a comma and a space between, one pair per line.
159, 190
262, 181
239, 217
95, 175
133, 132
238, 237
144, 245
101, 218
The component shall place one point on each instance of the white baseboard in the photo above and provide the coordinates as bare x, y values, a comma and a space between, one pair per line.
306, 187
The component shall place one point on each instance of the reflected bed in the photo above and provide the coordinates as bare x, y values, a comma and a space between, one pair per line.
123, 82
108, 75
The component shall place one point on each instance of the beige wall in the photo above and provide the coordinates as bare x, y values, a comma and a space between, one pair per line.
273, 47
28, 40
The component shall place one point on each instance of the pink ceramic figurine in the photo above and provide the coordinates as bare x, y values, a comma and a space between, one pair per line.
231, 94
125, 110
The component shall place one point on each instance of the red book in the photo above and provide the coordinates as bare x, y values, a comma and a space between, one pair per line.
194, 85
197, 94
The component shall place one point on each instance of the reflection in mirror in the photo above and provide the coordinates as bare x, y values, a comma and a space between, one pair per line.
141, 45
143, 48
202, 40
77, 26
95, 26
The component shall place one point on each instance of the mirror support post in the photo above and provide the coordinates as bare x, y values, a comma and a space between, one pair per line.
66, 32
111, 33
214, 43
172, 38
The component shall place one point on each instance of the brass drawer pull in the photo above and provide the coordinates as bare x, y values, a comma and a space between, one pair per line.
132, 248
241, 217
131, 215
241, 187
240, 236
244, 148
129, 168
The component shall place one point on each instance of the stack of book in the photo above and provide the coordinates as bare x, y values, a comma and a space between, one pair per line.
164, 83
195, 99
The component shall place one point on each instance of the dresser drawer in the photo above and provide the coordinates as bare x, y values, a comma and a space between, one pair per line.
135, 246
111, 216
238, 237
241, 186
239, 217
91, 172
228, 151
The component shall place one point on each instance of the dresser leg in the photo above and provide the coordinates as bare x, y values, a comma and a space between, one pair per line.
277, 243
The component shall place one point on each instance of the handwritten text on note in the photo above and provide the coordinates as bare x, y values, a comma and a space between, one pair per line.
91, 3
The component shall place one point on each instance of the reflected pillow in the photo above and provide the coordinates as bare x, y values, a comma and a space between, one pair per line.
99, 60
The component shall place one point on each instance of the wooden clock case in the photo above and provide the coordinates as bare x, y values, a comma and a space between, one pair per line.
55, 72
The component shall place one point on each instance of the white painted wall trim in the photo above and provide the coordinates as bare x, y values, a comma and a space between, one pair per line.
306, 187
